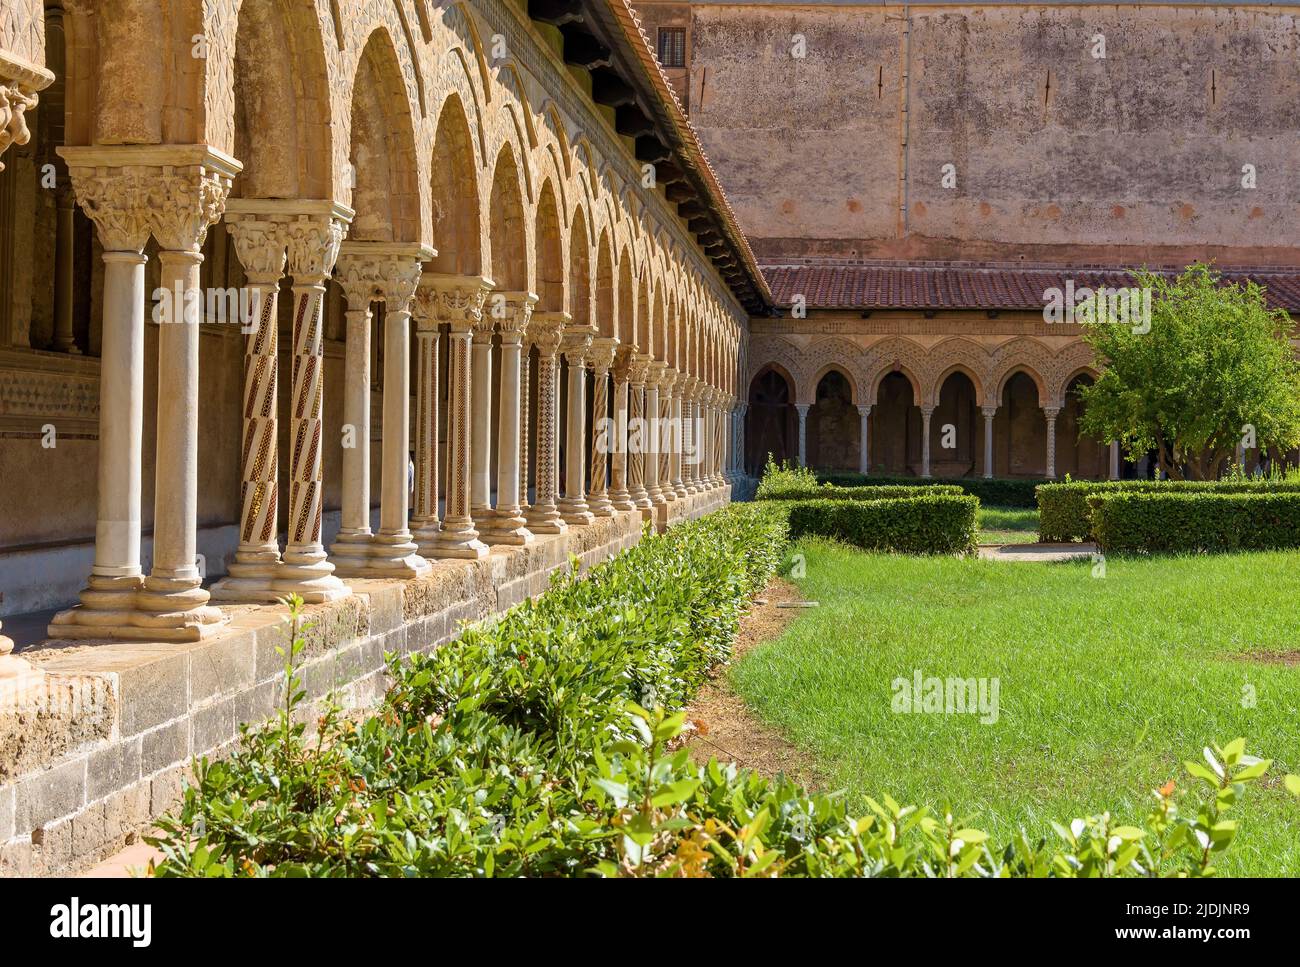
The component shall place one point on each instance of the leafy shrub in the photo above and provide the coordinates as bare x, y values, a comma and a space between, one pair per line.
927, 524
1063, 511
1174, 521
520, 750
997, 491
783, 477
832, 492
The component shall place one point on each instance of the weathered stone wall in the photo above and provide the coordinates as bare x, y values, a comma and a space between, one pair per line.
1058, 155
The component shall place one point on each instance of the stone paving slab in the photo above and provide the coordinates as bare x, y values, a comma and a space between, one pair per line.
1036, 552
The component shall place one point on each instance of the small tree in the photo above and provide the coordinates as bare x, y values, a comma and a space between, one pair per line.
1213, 370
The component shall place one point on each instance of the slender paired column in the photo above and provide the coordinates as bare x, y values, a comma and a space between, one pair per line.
480, 433
680, 450
704, 409
425, 525
574, 505
803, 409
458, 301
619, 493
666, 433
926, 413
1050, 413
546, 330
741, 410
638, 369
524, 455
601, 356
507, 526
989, 413
373, 272
115, 201
690, 437
650, 434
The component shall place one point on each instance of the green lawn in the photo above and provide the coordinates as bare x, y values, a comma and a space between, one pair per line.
1008, 525
1105, 684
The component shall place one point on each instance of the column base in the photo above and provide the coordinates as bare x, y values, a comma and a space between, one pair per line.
457, 542
575, 511
601, 505
426, 534
508, 528
314, 583
386, 556
679, 488
136, 625
622, 500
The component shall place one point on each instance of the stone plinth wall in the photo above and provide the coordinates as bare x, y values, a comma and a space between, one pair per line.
106, 745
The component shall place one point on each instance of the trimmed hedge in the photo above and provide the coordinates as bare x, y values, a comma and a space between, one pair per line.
1063, 507
998, 491
832, 492
1194, 521
933, 523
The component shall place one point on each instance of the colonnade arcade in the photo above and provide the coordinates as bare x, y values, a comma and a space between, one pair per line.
898, 409
518, 314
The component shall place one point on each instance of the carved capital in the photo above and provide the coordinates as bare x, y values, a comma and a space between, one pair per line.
260, 245
577, 340
15, 102
655, 374
546, 331
454, 299
510, 312
402, 281
183, 201
380, 272
313, 246
114, 199
638, 367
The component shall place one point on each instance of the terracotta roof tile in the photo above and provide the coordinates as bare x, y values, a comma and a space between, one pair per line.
920, 286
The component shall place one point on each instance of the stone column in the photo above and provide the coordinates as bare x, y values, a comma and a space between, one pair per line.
690, 437
184, 200
1114, 460
618, 463
601, 356
64, 341
1050, 412
480, 433
679, 435
523, 421
864, 439
650, 434
507, 526
375, 272
577, 340
425, 524
260, 245
989, 413
803, 409
667, 434
546, 330
741, 410
313, 239
114, 200
638, 369
721, 445
926, 413
458, 301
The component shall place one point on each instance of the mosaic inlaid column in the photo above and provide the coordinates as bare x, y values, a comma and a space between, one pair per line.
989, 413
354, 531
690, 436
260, 247
508, 525
667, 435
601, 355
1050, 414
480, 433
425, 525
183, 200
114, 200
741, 410
546, 331
619, 494
577, 340
638, 369
314, 238
681, 443
524, 416
458, 301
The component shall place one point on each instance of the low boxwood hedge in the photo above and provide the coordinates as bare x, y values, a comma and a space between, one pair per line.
997, 491
833, 492
1194, 521
931, 523
1063, 507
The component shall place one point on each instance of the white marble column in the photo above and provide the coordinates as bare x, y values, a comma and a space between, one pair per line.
926, 413
618, 459
184, 201
741, 410
425, 524
114, 200
667, 434
480, 433
679, 436
690, 437
864, 438
546, 330
802, 409
650, 435
458, 301
601, 355
354, 531
574, 507
989, 413
1050, 413
638, 367
508, 525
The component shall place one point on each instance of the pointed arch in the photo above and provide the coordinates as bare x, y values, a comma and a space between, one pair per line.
506, 225
386, 196
457, 224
